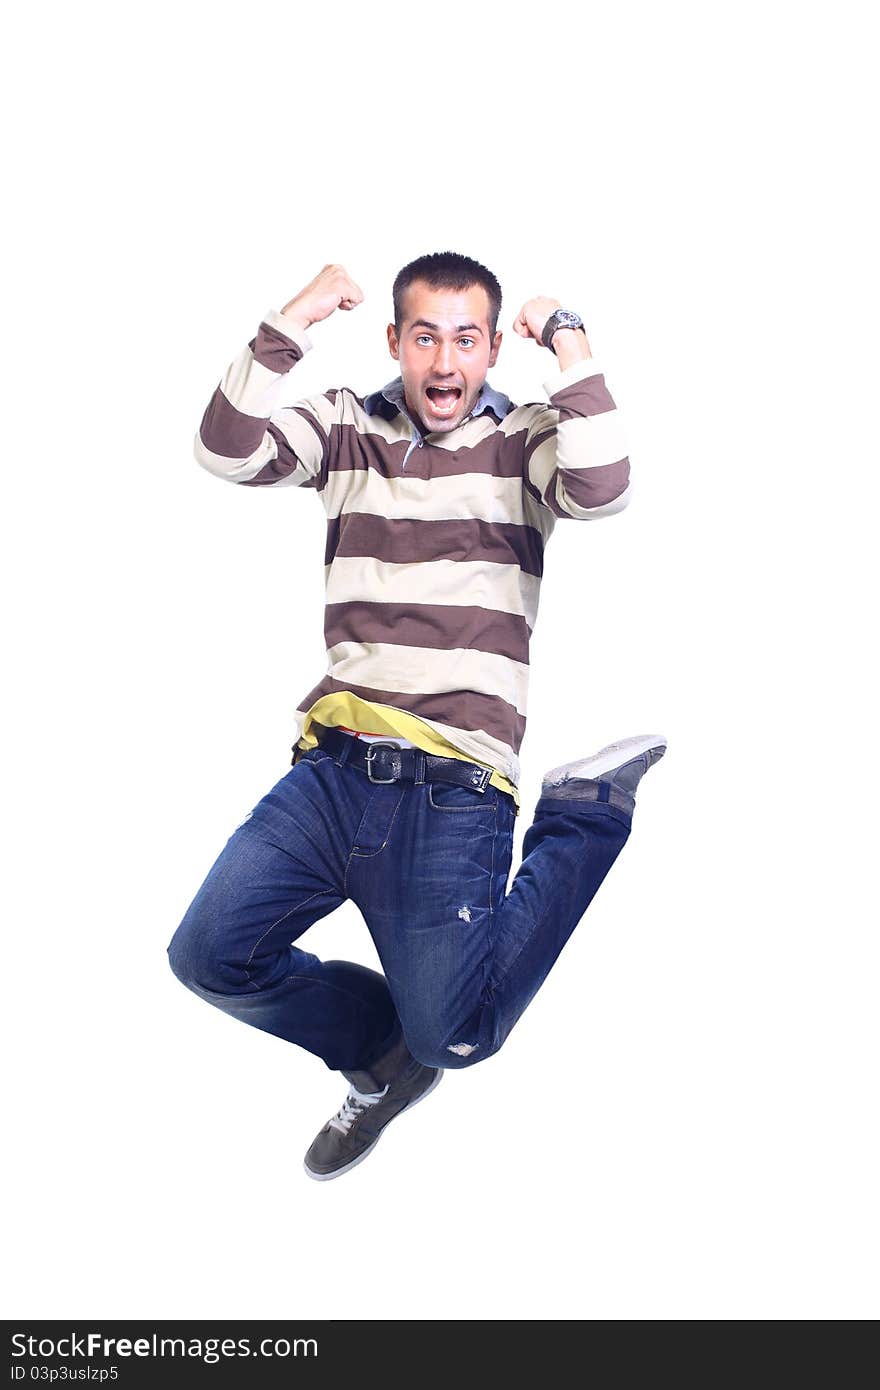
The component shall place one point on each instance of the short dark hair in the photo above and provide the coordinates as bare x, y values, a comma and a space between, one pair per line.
447, 270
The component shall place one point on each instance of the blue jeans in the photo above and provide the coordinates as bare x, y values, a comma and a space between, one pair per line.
427, 865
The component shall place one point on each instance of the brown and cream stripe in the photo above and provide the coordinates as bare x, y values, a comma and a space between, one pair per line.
435, 544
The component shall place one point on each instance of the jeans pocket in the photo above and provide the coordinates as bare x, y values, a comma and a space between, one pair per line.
314, 755
447, 796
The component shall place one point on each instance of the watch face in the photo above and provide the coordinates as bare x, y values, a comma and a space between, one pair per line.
560, 318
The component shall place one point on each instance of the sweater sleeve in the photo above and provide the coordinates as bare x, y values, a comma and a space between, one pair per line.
246, 437
576, 451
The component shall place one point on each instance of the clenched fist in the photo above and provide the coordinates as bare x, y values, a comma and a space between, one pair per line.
332, 288
529, 322
570, 345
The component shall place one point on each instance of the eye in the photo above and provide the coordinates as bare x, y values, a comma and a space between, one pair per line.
466, 342
423, 338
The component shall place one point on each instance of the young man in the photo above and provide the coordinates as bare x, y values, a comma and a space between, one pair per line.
440, 497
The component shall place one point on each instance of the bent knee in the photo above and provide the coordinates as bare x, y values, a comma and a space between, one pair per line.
457, 1054
193, 962
179, 957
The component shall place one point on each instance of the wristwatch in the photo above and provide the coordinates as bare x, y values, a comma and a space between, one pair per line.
560, 318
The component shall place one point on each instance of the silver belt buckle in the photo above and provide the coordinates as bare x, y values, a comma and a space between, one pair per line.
371, 751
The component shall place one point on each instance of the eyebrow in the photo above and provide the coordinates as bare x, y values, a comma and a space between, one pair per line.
435, 327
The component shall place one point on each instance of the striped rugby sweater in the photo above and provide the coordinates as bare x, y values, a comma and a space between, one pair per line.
435, 543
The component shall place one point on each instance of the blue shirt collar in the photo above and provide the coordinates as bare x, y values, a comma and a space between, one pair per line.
392, 395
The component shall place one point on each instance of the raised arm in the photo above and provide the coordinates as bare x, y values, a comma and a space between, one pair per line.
245, 437
576, 451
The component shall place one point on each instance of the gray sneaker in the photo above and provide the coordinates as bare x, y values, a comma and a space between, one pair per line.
376, 1097
610, 775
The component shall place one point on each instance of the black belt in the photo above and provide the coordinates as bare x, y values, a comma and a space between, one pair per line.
385, 762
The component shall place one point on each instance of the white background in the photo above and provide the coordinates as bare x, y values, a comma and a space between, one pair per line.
683, 1123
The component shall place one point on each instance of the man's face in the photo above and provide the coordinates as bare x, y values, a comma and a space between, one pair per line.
444, 350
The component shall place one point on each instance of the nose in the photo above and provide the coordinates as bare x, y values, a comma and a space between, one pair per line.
443, 359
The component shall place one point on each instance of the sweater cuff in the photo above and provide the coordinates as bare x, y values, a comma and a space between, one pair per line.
578, 371
275, 319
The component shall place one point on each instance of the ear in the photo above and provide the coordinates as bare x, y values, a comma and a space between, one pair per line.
393, 343
495, 349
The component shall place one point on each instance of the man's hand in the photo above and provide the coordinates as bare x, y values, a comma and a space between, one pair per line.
570, 343
333, 288
529, 322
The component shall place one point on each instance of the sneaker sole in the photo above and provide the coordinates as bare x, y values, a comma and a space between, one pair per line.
607, 759
338, 1172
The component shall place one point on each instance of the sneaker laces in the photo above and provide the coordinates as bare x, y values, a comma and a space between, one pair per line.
354, 1105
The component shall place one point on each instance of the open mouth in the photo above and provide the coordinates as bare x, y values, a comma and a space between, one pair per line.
444, 399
